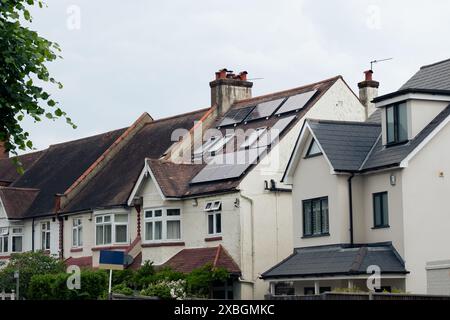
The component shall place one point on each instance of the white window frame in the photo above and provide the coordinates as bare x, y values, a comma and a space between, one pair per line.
4, 235
46, 232
16, 234
213, 208
113, 224
77, 229
163, 219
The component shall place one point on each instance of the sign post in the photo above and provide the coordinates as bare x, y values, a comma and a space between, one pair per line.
111, 260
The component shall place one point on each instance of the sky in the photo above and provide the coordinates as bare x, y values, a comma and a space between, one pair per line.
124, 58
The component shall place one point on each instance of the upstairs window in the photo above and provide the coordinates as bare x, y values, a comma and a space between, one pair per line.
314, 149
214, 217
77, 233
17, 239
111, 228
380, 210
162, 224
45, 235
315, 217
3, 240
396, 124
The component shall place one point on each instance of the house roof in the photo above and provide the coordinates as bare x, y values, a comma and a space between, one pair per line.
17, 200
8, 171
105, 189
346, 144
59, 166
430, 79
435, 76
188, 260
175, 180
81, 262
338, 260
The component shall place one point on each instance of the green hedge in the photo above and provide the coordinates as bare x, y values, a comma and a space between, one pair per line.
94, 285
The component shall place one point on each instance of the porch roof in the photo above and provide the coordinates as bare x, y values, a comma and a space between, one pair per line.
338, 260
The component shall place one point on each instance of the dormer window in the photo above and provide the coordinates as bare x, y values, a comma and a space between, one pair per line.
313, 150
396, 124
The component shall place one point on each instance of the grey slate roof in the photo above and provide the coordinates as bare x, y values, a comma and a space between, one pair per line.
357, 146
346, 144
335, 260
375, 117
392, 156
432, 77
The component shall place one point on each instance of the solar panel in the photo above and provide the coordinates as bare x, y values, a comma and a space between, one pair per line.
235, 116
296, 102
264, 110
228, 166
273, 134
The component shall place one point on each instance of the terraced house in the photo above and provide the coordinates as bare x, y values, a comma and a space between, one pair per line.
196, 188
374, 193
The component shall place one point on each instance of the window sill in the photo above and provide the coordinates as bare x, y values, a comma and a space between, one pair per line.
381, 227
76, 249
163, 244
393, 144
316, 236
112, 247
211, 239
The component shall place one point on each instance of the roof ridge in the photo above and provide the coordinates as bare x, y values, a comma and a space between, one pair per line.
344, 122
370, 152
289, 90
18, 189
434, 64
179, 115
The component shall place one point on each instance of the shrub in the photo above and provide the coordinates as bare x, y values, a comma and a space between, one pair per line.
165, 289
122, 289
28, 264
200, 280
94, 285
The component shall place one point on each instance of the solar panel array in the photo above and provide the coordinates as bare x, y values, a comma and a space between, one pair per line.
264, 109
228, 166
296, 102
235, 116
269, 137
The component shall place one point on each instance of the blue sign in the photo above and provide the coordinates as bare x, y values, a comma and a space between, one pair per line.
113, 260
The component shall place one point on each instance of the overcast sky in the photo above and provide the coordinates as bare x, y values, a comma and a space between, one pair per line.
123, 58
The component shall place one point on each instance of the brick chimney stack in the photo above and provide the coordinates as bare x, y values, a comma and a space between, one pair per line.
228, 87
368, 90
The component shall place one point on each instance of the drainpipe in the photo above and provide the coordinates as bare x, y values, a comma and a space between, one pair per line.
32, 235
350, 204
250, 200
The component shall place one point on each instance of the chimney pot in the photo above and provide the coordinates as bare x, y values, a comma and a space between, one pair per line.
368, 75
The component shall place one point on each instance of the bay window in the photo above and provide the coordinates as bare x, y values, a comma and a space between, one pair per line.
162, 224
111, 228
77, 233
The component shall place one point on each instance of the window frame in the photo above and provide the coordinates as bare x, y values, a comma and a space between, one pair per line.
17, 235
323, 233
396, 123
164, 218
46, 236
308, 152
383, 216
3, 242
113, 224
78, 229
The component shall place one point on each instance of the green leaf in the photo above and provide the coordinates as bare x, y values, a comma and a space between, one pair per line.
58, 112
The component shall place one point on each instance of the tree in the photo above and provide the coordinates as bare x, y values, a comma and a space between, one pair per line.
23, 72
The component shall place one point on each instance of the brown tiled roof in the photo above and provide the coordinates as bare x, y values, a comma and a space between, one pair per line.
85, 262
8, 171
173, 179
17, 200
189, 259
113, 184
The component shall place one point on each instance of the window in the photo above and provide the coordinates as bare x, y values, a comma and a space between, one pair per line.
380, 210
396, 124
315, 217
313, 149
252, 138
214, 217
284, 289
17, 239
162, 224
111, 228
45, 235
77, 233
3, 240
